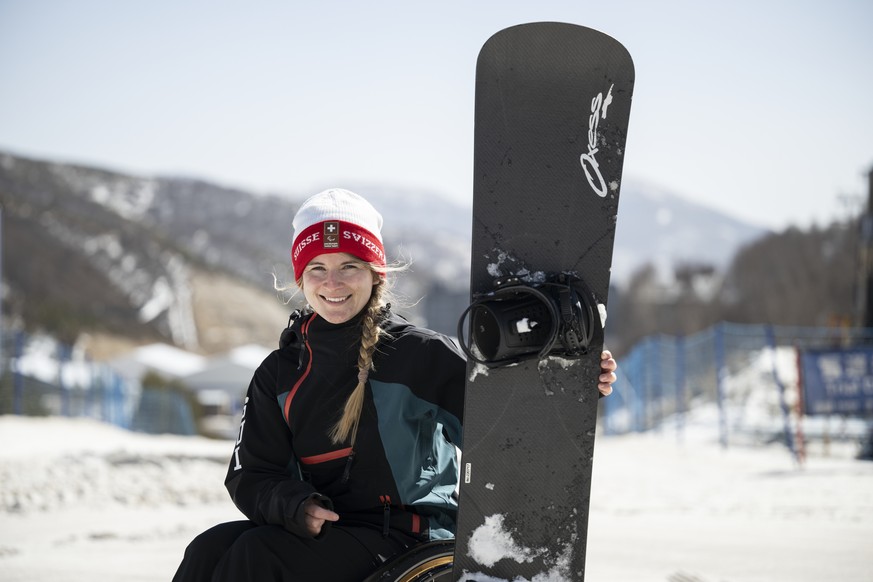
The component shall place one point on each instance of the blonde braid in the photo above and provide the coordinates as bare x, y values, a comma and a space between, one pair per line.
371, 331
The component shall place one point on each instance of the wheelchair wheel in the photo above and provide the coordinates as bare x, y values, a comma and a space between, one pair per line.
421, 563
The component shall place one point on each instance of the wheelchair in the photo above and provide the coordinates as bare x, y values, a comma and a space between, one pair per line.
421, 563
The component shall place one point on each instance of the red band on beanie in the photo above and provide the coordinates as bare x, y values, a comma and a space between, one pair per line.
335, 236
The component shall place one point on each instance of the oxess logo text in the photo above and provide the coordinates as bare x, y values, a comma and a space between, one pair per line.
599, 105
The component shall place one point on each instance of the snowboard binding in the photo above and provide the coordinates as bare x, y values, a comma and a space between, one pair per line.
519, 320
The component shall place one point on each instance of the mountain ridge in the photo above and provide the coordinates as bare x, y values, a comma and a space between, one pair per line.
93, 250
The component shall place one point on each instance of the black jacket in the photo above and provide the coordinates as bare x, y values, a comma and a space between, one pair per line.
403, 472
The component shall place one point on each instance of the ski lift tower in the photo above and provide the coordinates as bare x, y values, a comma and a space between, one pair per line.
864, 306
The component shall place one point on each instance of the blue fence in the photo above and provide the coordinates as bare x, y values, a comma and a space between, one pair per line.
41, 377
736, 382
740, 382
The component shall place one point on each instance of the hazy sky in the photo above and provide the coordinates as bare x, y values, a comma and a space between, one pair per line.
762, 109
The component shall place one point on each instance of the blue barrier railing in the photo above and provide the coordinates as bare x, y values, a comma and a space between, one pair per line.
39, 376
741, 381
736, 381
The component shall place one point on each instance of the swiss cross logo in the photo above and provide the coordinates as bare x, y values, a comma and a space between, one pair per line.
331, 235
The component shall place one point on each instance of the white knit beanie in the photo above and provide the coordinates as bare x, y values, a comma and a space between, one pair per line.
336, 221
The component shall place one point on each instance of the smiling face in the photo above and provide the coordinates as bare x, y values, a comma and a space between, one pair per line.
338, 285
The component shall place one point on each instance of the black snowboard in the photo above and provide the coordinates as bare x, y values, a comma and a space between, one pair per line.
552, 108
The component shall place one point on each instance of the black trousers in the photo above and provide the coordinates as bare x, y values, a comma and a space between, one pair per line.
241, 551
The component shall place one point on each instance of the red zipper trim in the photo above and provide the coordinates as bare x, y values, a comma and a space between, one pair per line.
303, 329
325, 457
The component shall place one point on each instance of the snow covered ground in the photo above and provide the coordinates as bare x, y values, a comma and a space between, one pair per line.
83, 501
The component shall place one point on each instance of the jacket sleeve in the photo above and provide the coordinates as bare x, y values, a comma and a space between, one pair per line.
436, 371
450, 387
263, 478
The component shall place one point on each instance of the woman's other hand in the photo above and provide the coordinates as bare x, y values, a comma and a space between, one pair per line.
607, 376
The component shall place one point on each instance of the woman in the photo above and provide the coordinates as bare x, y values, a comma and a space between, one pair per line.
346, 450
